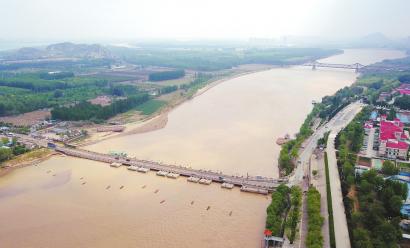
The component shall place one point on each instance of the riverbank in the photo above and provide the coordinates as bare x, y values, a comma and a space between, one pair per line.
27, 159
159, 119
232, 129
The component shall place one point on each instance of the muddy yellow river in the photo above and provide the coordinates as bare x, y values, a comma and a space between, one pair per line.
68, 202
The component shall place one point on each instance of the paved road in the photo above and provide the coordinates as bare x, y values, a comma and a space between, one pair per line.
369, 152
339, 216
339, 121
319, 181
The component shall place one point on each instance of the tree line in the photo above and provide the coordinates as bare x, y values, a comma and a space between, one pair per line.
402, 102
166, 75
294, 212
14, 150
373, 212
276, 211
87, 111
56, 75
314, 238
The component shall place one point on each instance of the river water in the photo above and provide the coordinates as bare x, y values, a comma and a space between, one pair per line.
67, 202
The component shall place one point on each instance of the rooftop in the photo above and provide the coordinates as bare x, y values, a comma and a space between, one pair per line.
397, 144
389, 128
404, 89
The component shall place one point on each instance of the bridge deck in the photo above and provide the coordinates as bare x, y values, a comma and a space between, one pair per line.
250, 184
357, 66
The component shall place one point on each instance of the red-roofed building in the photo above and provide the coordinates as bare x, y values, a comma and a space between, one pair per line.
393, 139
384, 96
403, 89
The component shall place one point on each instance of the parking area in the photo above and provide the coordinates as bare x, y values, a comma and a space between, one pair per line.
370, 143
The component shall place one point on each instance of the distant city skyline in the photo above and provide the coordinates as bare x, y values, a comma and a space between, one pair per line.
58, 20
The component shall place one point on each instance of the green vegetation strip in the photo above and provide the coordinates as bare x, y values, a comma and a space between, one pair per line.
290, 150
294, 214
329, 206
314, 237
88, 111
210, 59
150, 106
166, 75
276, 211
372, 203
14, 150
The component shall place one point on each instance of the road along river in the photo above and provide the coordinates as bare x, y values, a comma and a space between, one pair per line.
69, 202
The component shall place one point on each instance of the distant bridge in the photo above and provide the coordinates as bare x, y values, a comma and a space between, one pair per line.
357, 66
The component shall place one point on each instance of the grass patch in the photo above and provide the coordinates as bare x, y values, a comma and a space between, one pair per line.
329, 206
150, 106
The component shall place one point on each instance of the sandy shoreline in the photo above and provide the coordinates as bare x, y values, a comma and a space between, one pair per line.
10, 166
160, 119
148, 124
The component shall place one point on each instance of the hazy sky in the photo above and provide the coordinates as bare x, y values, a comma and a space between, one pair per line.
136, 19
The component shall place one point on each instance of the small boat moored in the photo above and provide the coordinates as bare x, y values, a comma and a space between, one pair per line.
254, 190
205, 181
143, 169
173, 175
162, 173
115, 164
133, 168
193, 179
227, 185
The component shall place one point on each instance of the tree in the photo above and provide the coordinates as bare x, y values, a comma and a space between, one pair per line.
394, 205
348, 169
2, 109
58, 93
314, 236
387, 234
275, 211
5, 154
405, 78
389, 168
4, 140
403, 102
362, 238
391, 115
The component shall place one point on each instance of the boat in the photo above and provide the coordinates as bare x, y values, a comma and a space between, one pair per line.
115, 164
227, 185
254, 190
143, 169
162, 173
133, 168
193, 179
205, 181
173, 175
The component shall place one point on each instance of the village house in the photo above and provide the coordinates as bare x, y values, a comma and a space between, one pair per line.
393, 139
384, 96
403, 89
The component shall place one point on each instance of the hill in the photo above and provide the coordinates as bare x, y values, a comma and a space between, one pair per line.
59, 50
